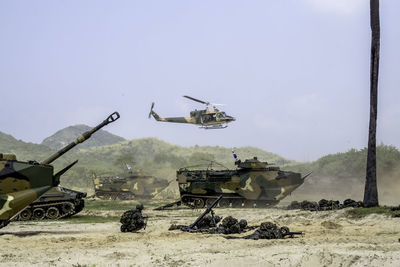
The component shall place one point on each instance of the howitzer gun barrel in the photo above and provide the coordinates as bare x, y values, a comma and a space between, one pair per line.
82, 138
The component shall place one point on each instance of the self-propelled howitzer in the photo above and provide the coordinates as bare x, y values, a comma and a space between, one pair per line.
21, 182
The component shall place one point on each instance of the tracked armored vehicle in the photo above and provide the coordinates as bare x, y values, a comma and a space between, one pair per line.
252, 184
23, 182
134, 184
56, 203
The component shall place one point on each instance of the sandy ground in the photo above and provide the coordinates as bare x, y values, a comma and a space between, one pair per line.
331, 239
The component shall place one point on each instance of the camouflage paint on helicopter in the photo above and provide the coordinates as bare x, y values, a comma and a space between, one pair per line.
207, 119
253, 183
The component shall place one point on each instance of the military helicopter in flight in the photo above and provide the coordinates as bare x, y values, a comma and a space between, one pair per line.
206, 118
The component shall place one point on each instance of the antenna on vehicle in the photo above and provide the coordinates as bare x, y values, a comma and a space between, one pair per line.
234, 155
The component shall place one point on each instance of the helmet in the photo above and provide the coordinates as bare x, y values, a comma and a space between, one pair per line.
217, 219
242, 224
139, 206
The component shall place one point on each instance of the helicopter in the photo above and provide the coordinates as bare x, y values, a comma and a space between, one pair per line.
206, 118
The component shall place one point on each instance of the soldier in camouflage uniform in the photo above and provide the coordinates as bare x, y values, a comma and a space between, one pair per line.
303, 205
328, 204
230, 225
268, 230
395, 208
324, 204
204, 225
133, 220
294, 205
352, 203
309, 205
208, 222
396, 212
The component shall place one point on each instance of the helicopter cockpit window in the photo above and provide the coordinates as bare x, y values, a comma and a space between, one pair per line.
221, 115
208, 117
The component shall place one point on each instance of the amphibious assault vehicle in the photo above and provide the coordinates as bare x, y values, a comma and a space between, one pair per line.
21, 182
56, 203
134, 184
252, 184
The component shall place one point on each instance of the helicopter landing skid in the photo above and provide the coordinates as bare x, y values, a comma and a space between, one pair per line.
214, 127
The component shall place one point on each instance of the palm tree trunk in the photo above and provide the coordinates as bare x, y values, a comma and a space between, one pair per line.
371, 189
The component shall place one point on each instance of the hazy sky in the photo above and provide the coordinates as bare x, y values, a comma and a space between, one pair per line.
295, 73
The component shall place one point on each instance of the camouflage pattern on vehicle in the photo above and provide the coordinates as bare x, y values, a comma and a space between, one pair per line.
133, 185
56, 203
22, 182
252, 184
206, 118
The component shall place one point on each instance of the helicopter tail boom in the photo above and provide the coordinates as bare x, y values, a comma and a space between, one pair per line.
177, 119
172, 119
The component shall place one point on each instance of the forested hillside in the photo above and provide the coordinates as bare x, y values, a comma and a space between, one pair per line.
23, 150
342, 175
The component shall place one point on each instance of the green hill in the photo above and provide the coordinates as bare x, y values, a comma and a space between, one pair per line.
342, 175
67, 135
23, 150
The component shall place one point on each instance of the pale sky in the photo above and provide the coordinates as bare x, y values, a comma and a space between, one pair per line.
295, 73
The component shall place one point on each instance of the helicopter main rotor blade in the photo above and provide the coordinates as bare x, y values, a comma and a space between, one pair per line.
197, 100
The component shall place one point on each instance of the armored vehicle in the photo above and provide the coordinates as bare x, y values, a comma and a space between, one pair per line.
134, 184
56, 203
252, 184
21, 182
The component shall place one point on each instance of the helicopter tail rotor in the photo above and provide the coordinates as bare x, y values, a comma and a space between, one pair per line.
151, 109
